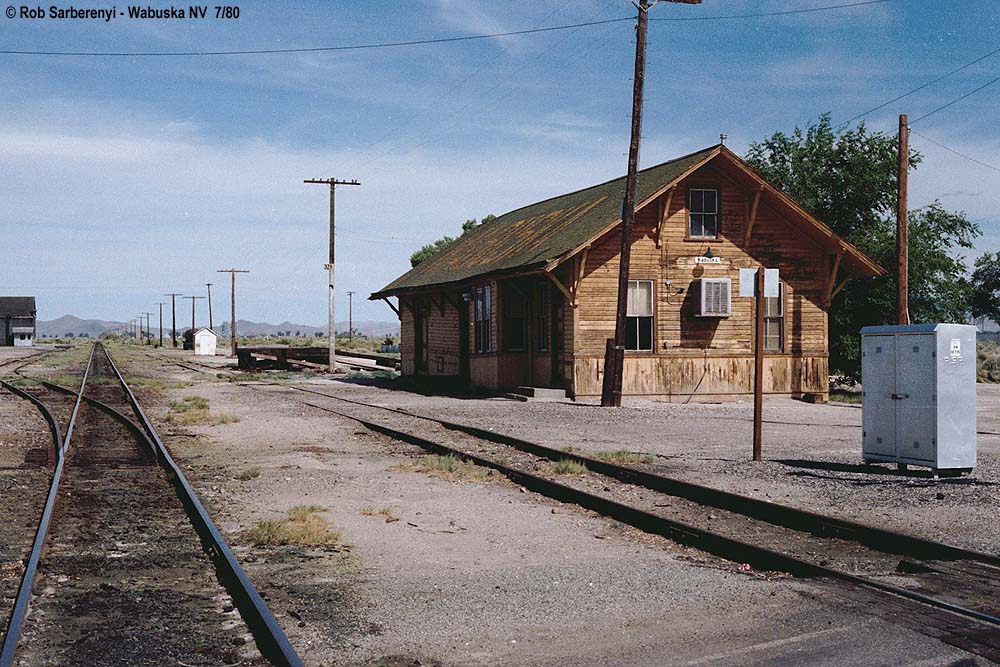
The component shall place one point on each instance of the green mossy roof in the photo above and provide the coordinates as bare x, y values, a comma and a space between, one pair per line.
532, 236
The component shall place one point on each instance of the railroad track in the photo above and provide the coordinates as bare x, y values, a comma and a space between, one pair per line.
941, 590
135, 572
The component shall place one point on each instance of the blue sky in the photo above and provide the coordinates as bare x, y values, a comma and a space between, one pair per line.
124, 178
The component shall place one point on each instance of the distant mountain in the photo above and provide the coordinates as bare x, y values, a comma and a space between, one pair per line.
93, 328
74, 325
367, 327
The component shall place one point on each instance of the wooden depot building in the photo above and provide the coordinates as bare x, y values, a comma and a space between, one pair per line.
528, 299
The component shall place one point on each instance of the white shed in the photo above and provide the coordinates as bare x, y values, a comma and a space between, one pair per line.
204, 341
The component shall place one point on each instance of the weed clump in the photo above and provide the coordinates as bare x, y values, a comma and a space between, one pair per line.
248, 474
623, 456
194, 410
385, 512
448, 467
568, 467
303, 527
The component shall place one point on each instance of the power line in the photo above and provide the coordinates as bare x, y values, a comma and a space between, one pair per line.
319, 49
766, 14
958, 153
417, 42
956, 100
918, 88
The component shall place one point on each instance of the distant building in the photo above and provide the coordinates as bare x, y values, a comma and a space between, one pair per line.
17, 321
205, 341
529, 298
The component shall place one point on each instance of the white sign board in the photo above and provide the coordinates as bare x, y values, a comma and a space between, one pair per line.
748, 282
771, 282
748, 279
708, 260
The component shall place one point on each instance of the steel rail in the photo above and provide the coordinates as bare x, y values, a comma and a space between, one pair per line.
820, 525
719, 545
268, 634
16, 623
137, 432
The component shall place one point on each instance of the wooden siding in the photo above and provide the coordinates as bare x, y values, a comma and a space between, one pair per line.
716, 351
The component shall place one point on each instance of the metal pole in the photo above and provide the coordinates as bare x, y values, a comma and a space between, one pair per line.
902, 233
209, 286
758, 365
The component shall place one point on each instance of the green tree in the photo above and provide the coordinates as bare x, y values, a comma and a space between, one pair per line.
848, 179
986, 289
432, 249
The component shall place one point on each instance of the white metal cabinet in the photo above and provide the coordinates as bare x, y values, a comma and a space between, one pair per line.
919, 398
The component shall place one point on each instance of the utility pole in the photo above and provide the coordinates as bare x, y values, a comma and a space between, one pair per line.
902, 233
161, 304
232, 311
173, 316
209, 286
614, 357
193, 299
139, 337
146, 341
333, 183
350, 316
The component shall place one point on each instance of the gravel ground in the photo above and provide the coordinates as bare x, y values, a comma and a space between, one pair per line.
479, 572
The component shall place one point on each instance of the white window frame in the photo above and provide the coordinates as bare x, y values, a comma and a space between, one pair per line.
714, 215
703, 288
651, 317
779, 318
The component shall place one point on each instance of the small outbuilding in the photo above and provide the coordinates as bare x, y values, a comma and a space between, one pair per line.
205, 341
18, 325
529, 298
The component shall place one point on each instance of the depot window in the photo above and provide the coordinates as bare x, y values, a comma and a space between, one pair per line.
703, 213
483, 307
639, 317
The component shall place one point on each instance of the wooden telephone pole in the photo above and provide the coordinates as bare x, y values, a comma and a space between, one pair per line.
149, 333
232, 311
902, 232
614, 358
193, 299
173, 316
209, 286
161, 304
333, 183
350, 316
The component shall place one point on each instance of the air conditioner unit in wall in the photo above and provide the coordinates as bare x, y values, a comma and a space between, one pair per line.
714, 297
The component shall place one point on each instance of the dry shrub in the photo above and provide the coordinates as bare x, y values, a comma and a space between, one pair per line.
194, 410
303, 527
448, 467
568, 467
623, 456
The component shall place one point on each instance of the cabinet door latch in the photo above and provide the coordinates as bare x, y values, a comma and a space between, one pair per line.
898, 397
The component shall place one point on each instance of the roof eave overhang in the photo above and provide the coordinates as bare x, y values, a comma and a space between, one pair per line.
528, 270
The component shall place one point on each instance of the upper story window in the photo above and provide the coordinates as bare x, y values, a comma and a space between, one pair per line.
703, 213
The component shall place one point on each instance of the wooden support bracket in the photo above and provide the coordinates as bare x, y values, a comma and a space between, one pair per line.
562, 288
752, 217
454, 304
832, 280
394, 309
663, 213
839, 287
